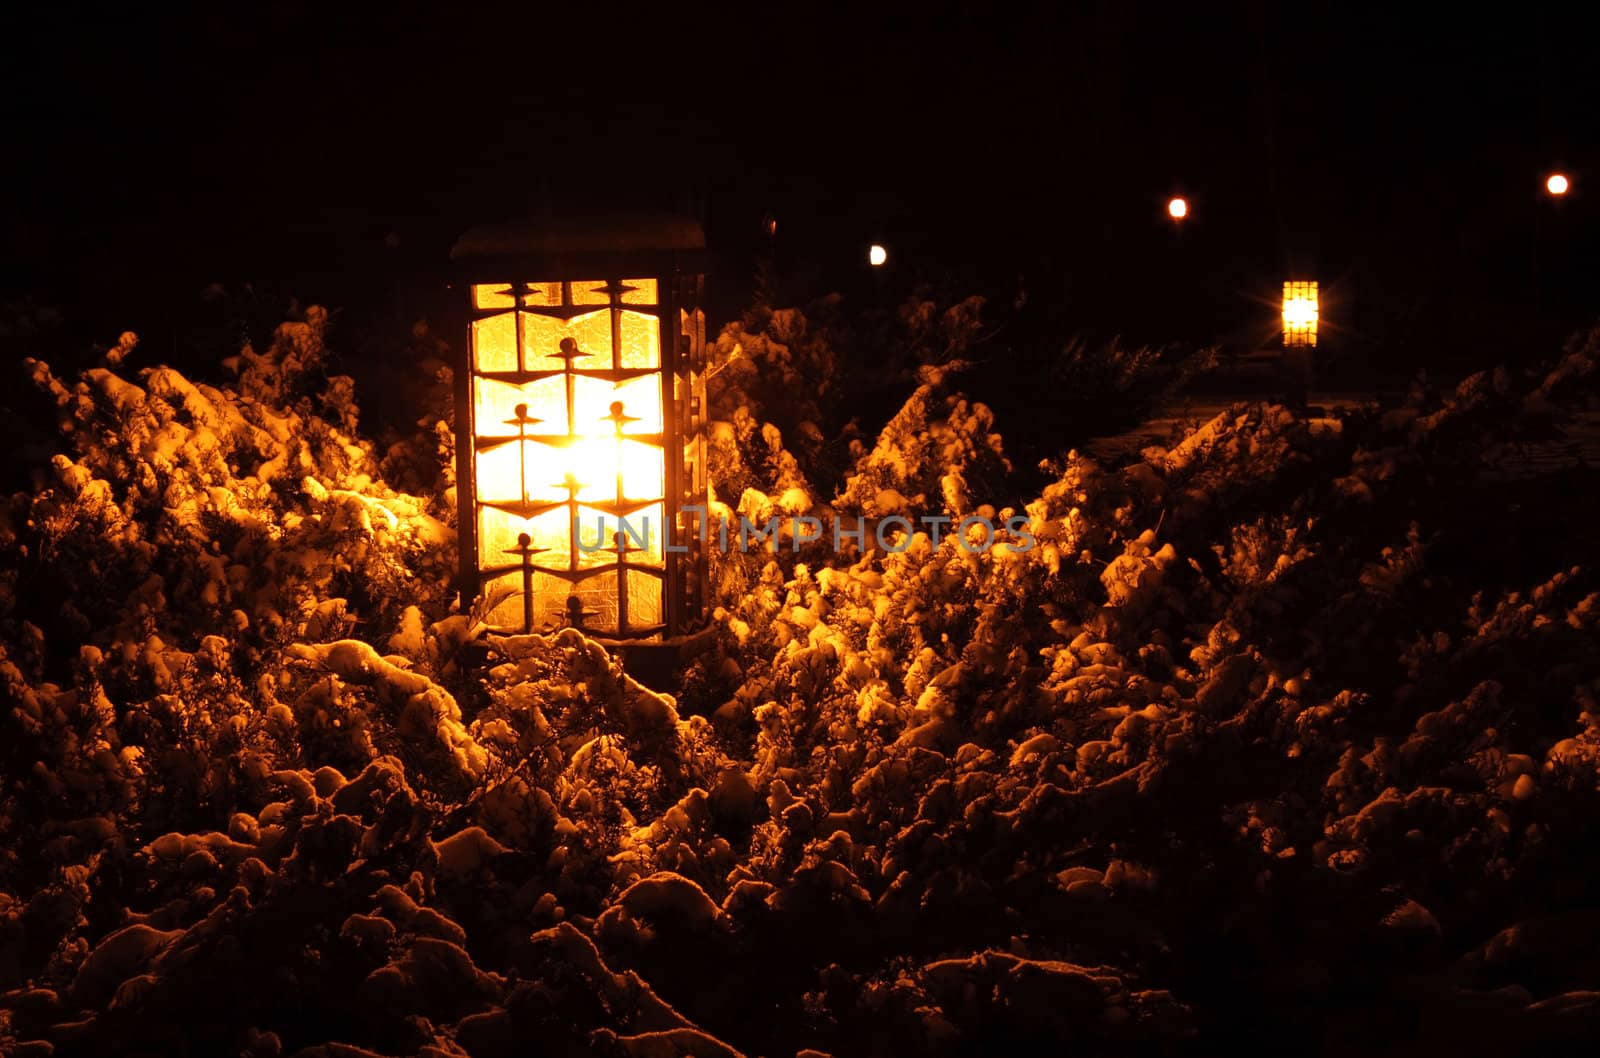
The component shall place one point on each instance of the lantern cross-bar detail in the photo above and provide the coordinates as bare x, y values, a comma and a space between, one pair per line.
580, 416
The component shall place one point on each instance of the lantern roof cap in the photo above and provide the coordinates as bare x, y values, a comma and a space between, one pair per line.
572, 235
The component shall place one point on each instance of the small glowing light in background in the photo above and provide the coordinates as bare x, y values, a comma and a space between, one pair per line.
1557, 184
877, 256
1178, 208
1300, 312
769, 224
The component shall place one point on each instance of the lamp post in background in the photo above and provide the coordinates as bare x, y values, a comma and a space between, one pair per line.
1179, 269
1557, 186
580, 426
1302, 312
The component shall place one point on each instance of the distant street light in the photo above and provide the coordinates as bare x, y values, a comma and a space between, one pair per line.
1178, 208
1557, 184
877, 256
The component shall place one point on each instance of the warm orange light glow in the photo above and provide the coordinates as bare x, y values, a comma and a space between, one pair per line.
1178, 208
1301, 312
1557, 184
877, 256
569, 428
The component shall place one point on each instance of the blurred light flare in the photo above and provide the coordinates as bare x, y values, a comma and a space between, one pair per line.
1557, 184
877, 256
1178, 208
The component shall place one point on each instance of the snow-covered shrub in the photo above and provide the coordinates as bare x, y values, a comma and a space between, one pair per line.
1264, 709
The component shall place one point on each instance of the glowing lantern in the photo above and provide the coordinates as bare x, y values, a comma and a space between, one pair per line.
580, 412
1300, 313
1178, 208
877, 256
1557, 184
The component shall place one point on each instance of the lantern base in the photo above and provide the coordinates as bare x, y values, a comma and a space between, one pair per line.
1294, 376
660, 664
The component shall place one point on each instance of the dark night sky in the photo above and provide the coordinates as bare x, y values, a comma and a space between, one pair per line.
1398, 156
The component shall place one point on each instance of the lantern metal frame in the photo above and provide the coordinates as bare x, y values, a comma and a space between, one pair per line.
527, 260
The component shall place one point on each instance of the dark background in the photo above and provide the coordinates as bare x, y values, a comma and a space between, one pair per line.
332, 152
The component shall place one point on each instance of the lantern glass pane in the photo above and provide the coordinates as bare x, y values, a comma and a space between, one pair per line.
492, 296
592, 399
499, 473
599, 597
641, 339
549, 600
503, 295
542, 336
494, 343
497, 534
644, 599
642, 529
550, 468
543, 294
643, 476
644, 292
552, 530
595, 464
591, 292
494, 402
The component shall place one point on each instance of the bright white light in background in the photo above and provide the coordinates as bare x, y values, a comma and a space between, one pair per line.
1557, 184
1178, 208
877, 255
